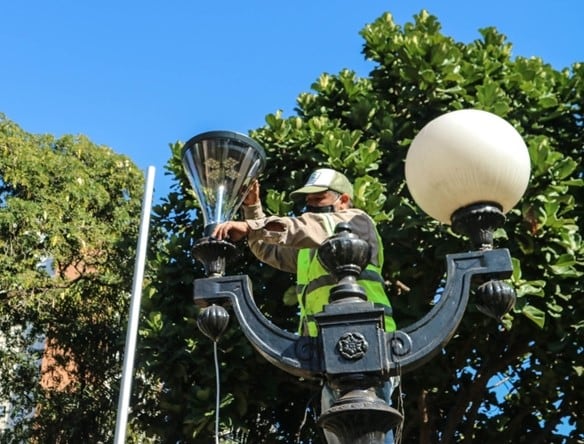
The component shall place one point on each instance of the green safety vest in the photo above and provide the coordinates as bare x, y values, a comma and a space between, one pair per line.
313, 285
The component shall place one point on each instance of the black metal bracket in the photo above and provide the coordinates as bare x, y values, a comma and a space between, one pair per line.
396, 352
297, 355
416, 344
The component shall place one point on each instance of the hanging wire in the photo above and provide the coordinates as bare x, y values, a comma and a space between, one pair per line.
308, 409
400, 407
217, 392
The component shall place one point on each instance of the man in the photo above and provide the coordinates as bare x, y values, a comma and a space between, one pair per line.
290, 244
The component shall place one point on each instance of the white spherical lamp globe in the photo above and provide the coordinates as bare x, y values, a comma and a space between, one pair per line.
463, 158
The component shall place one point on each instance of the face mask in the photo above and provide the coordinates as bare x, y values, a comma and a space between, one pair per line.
322, 209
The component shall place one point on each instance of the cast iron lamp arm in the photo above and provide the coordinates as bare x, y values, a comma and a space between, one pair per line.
407, 349
419, 342
297, 355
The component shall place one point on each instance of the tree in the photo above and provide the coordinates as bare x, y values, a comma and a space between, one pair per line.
515, 382
69, 213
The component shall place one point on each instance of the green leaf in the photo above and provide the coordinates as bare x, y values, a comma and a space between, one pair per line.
564, 167
565, 266
290, 298
534, 314
548, 101
531, 288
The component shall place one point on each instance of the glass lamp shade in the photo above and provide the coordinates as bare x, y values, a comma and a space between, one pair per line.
466, 157
221, 166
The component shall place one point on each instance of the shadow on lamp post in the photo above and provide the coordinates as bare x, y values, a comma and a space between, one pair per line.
466, 168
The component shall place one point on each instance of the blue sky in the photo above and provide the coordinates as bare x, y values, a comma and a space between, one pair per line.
136, 76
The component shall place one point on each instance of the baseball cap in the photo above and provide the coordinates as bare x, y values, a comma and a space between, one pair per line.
322, 180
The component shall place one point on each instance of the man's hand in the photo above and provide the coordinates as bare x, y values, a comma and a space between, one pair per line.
234, 230
253, 195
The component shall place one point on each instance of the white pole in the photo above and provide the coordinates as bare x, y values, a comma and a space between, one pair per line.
130, 349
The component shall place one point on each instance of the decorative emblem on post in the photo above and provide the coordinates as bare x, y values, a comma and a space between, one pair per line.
352, 346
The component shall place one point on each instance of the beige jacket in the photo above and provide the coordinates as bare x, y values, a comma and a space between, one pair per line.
279, 249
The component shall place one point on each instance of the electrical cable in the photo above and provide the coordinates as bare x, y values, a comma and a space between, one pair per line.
400, 406
217, 392
307, 410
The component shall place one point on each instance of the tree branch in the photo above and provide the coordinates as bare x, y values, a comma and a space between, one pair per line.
472, 394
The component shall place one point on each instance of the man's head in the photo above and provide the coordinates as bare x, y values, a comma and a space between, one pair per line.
326, 190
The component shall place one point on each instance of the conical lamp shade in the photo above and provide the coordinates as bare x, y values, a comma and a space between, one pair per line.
221, 166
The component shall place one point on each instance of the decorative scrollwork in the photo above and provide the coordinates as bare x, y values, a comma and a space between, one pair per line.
400, 343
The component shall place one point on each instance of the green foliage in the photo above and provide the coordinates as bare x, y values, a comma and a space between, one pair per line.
68, 225
363, 127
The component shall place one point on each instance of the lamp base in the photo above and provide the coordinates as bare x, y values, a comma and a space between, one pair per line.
213, 254
360, 417
478, 221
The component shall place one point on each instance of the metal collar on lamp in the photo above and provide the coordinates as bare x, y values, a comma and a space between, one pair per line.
221, 166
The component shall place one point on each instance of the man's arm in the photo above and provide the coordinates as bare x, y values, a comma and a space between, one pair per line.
277, 256
310, 230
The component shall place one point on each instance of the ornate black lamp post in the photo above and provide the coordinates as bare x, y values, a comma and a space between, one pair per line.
466, 168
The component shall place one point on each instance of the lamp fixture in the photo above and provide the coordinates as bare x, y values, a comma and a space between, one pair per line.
466, 168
